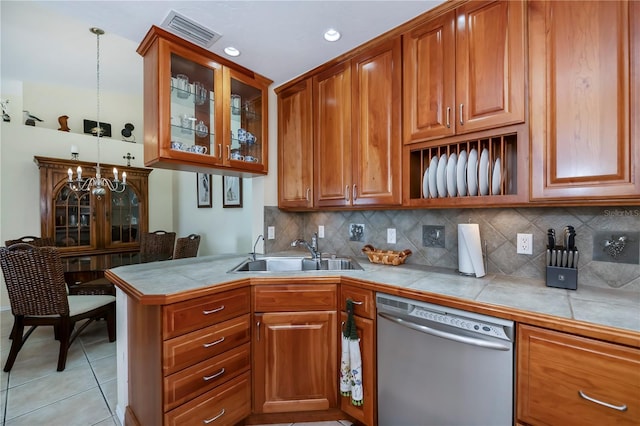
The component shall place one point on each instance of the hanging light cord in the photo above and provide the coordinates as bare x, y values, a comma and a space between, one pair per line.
98, 32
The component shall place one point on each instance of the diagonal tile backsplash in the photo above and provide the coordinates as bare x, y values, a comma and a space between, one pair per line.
498, 229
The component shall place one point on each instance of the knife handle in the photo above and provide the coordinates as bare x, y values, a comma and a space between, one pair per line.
549, 257
575, 259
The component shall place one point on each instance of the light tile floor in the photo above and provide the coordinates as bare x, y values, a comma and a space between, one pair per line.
33, 393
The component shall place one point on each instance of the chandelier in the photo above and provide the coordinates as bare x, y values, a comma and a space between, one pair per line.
98, 185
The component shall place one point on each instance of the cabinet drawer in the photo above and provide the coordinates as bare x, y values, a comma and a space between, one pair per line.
180, 318
206, 375
225, 405
184, 351
294, 297
364, 302
557, 372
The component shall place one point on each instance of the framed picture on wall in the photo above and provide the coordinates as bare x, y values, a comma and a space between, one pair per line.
231, 191
204, 189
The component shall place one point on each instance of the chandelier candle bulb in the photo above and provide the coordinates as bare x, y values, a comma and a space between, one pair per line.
115, 174
79, 170
70, 173
124, 177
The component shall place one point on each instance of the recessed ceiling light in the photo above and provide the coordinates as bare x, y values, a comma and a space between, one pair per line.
332, 35
231, 51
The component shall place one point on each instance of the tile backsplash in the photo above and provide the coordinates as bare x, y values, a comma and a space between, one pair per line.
498, 229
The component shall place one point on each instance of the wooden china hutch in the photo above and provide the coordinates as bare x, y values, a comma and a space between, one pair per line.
81, 223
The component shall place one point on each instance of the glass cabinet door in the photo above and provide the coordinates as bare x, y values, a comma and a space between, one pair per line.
192, 108
73, 218
124, 217
247, 138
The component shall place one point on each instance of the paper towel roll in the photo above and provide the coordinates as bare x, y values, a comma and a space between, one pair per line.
470, 250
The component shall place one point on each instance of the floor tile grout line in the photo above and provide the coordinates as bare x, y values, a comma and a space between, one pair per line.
104, 397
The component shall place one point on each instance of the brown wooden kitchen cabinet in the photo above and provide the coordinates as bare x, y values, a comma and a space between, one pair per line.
584, 70
357, 132
79, 222
464, 71
295, 335
566, 379
295, 146
364, 314
196, 107
190, 361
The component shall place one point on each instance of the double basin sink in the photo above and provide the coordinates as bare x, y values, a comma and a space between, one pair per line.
296, 264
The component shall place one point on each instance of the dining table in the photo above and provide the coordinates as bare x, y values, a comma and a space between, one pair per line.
84, 274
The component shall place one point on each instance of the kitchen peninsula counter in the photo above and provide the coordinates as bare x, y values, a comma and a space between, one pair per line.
608, 314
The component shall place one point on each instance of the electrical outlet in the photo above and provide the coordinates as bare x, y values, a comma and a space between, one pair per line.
524, 244
321, 231
271, 233
391, 235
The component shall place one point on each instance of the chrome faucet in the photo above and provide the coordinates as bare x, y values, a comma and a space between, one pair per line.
313, 247
253, 253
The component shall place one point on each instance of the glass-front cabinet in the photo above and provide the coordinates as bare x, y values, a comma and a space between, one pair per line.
202, 112
81, 223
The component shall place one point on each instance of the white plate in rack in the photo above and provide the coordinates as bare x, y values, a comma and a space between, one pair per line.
472, 172
496, 178
452, 186
461, 172
483, 173
442, 178
425, 184
433, 168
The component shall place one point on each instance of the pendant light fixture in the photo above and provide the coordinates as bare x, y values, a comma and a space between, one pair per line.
98, 185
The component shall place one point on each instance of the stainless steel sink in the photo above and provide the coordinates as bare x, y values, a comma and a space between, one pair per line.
295, 263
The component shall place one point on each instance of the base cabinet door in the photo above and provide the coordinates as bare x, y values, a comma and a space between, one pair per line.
295, 361
568, 380
365, 413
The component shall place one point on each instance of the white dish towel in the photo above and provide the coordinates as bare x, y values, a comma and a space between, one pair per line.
351, 360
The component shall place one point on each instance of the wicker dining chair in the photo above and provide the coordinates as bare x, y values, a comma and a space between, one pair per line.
34, 277
158, 242
34, 241
187, 247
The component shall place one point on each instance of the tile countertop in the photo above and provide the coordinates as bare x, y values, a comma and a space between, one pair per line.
611, 308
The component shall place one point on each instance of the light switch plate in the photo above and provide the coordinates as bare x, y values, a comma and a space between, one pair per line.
320, 231
271, 233
391, 235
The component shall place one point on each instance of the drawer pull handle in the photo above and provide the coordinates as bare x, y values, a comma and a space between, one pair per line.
213, 419
461, 119
355, 302
448, 117
208, 345
213, 311
622, 407
213, 376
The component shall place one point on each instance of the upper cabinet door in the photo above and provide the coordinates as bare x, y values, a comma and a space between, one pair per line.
332, 159
490, 65
376, 119
295, 146
585, 91
429, 79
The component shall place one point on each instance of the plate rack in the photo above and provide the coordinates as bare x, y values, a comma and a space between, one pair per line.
503, 147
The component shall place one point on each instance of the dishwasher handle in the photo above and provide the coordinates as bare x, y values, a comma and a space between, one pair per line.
445, 335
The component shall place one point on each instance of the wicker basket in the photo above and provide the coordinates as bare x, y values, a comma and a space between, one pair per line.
386, 257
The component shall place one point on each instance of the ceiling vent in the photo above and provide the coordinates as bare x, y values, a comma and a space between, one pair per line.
189, 30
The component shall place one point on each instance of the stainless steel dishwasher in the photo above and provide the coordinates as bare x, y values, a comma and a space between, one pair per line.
441, 366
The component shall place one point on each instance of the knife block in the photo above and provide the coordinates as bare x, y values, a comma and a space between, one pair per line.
560, 277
